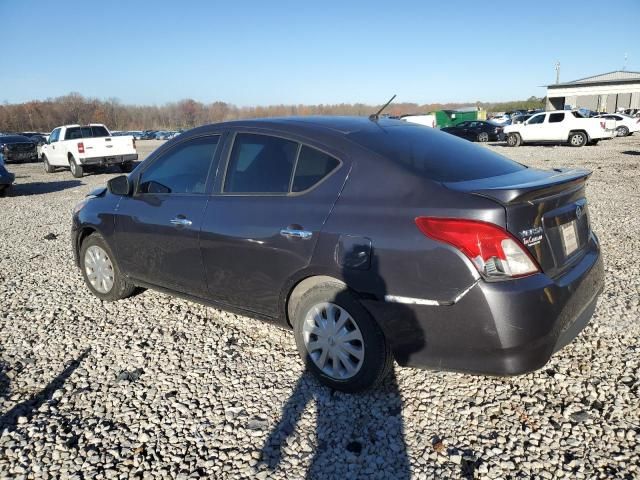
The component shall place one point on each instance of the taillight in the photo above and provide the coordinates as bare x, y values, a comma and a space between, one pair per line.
80, 147
494, 251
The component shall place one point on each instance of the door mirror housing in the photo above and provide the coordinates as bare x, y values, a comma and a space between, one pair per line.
119, 185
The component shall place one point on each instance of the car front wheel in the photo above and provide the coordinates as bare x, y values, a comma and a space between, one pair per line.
483, 137
339, 341
514, 140
47, 166
101, 272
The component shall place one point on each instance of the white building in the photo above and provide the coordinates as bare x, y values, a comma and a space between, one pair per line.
608, 92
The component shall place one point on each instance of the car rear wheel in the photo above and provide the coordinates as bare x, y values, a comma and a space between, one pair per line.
622, 131
101, 272
514, 140
76, 169
483, 137
47, 166
339, 341
578, 139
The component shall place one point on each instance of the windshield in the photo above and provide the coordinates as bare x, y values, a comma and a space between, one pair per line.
14, 139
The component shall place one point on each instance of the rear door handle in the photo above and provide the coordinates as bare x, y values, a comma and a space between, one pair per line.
180, 221
295, 233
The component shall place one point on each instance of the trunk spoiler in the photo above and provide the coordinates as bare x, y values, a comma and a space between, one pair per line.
525, 185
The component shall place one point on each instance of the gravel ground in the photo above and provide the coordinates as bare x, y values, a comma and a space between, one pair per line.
159, 387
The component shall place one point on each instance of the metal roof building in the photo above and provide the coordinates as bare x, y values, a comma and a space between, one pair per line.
608, 92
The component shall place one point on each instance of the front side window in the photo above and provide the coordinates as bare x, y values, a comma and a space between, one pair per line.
183, 169
536, 119
260, 164
556, 117
313, 165
54, 136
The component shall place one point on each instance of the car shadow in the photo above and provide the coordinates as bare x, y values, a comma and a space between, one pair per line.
369, 425
631, 152
41, 188
9, 420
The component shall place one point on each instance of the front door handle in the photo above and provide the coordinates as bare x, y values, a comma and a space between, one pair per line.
180, 221
295, 233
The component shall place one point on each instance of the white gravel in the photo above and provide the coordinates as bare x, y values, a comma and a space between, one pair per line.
159, 387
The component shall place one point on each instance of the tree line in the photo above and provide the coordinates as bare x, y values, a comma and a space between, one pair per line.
44, 115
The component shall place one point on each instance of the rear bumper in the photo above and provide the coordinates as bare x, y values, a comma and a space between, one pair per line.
501, 328
104, 161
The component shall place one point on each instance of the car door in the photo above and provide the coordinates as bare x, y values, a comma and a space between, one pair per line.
555, 127
157, 228
261, 228
54, 151
534, 129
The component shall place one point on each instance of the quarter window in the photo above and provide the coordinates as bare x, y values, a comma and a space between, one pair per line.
313, 165
183, 169
556, 117
260, 164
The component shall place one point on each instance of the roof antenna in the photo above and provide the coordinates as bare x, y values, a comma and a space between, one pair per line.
376, 116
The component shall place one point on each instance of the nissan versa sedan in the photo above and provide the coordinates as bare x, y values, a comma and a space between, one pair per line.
373, 240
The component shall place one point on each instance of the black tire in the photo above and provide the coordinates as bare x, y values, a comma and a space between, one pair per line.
622, 131
126, 167
514, 140
6, 191
122, 287
377, 360
47, 166
483, 137
578, 139
76, 169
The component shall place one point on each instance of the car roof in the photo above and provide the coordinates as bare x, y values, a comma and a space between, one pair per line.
337, 124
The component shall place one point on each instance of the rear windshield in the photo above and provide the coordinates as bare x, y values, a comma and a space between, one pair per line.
85, 132
435, 155
14, 139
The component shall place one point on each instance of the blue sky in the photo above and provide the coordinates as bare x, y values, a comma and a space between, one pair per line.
272, 52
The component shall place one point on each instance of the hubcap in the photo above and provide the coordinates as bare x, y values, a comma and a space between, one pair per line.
99, 269
576, 139
333, 340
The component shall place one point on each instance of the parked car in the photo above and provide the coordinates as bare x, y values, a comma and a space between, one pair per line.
465, 260
625, 124
16, 148
137, 134
502, 119
90, 146
428, 120
149, 135
562, 126
6, 178
476, 131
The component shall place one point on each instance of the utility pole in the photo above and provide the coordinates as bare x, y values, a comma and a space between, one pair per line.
557, 72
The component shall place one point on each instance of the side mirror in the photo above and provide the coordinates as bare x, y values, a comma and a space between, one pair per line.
119, 185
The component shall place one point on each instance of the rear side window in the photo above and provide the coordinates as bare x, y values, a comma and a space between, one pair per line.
183, 169
435, 155
313, 165
556, 117
260, 164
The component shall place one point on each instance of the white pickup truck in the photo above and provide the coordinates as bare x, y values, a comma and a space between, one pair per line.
79, 147
561, 126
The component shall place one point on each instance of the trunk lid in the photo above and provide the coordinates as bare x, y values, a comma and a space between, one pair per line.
546, 210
